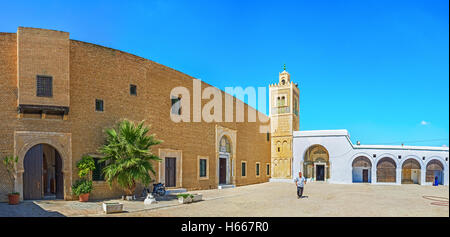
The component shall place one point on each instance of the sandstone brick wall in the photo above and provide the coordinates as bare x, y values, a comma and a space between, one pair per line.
97, 72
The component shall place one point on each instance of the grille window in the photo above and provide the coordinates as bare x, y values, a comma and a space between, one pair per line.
98, 105
202, 167
133, 90
176, 105
97, 174
44, 86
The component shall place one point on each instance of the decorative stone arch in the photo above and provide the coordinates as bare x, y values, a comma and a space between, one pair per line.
310, 166
230, 134
61, 142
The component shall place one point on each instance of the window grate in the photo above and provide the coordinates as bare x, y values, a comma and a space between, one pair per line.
44, 87
98, 105
133, 90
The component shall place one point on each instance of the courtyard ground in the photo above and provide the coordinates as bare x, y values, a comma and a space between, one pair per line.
277, 199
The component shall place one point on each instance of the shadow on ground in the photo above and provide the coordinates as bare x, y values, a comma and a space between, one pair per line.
26, 209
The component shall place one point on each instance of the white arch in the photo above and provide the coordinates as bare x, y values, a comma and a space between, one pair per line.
414, 157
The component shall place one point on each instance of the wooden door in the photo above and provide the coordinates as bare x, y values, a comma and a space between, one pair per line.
33, 174
222, 171
170, 171
365, 176
320, 175
59, 176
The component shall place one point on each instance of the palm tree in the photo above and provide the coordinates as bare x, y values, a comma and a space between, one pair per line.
127, 155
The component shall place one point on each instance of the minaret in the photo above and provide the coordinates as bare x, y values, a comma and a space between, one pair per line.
284, 119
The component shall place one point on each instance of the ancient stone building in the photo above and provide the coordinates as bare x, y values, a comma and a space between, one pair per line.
59, 95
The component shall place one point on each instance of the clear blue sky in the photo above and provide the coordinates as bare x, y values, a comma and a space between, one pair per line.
377, 68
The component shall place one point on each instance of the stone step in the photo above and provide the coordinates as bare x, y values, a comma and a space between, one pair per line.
222, 186
175, 190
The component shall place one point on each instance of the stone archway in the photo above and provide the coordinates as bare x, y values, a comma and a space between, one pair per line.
61, 142
225, 155
386, 170
435, 169
317, 163
361, 170
411, 171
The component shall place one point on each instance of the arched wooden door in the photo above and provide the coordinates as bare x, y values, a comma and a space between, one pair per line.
33, 175
386, 170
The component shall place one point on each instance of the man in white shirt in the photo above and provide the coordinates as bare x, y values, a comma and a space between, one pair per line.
300, 182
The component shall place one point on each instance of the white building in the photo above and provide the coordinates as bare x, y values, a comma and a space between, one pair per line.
329, 155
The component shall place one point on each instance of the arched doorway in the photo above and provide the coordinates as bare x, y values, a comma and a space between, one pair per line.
435, 169
361, 170
316, 163
411, 172
386, 170
42, 176
224, 160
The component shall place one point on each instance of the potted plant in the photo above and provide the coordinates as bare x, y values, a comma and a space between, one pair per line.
128, 157
83, 187
10, 163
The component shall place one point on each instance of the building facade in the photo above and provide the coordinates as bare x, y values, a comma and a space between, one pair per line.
329, 156
59, 95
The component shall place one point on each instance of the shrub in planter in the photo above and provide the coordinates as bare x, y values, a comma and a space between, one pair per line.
185, 197
82, 188
10, 163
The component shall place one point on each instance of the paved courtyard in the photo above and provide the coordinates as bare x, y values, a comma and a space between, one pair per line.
274, 199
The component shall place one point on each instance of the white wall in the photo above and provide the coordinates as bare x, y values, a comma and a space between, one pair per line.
342, 153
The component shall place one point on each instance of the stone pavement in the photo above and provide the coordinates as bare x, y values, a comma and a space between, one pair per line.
61, 208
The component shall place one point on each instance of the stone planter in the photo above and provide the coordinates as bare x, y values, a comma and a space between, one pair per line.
197, 197
112, 207
184, 200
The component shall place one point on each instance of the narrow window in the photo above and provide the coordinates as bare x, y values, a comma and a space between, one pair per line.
44, 87
97, 174
257, 169
202, 168
268, 169
176, 105
243, 168
98, 105
133, 89
268, 137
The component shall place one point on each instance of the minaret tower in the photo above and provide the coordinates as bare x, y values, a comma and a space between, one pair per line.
284, 119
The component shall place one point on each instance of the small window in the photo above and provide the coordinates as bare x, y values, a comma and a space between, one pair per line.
97, 174
44, 87
98, 105
278, 149
268, 169
176, 105
203, 168
423, 158
399, 157
268, 137
257, 169
133, 90
244, 169
374, 155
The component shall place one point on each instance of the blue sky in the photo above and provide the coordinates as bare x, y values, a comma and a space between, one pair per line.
376, 68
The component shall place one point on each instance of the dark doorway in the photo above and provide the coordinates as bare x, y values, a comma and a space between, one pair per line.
365, 176
320, 172
170, 171
33, 173
222, 170
59, 177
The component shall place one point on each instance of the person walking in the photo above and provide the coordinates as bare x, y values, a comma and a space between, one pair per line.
300, 181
